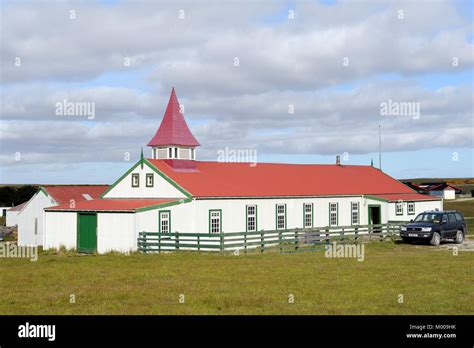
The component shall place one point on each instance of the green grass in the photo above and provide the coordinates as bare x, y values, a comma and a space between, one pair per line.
465, 207
431, 280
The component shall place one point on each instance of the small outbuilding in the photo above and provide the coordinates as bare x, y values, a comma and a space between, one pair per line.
12, 214
30, 218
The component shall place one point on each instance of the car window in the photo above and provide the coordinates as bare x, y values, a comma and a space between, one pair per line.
451, 218
458, 217
428, 217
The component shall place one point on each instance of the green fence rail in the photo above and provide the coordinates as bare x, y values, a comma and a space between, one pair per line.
280, 240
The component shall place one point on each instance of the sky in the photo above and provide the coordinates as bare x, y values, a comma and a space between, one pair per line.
295, 81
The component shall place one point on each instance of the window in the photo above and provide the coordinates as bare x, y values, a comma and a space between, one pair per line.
333, 214
308, 215
135, 180
458, 217
192, 154
215, 222
170, 153
175, 152
399, 208
251, 218
355, 213
149, 180
411, 208
281, 216
165, 221
451, 218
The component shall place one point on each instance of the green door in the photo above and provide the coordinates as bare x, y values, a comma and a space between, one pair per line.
86, 232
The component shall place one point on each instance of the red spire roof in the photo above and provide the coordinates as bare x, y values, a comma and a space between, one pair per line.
173, 129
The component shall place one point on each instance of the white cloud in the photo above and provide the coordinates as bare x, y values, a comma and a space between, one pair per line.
281, 62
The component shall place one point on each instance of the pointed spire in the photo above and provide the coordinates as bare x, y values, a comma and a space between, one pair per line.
173, 129
141, 159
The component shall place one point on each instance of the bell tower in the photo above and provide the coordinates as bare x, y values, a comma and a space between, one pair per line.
173, 140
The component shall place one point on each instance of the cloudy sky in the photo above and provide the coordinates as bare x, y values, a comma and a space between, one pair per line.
299, 81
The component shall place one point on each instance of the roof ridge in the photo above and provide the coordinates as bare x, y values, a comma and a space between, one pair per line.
273, 163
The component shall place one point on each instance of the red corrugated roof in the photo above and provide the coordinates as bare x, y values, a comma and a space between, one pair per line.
407, 197
173, 129
215, 179
63, 194
112, 204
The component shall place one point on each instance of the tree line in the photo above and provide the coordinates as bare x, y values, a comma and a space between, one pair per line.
14, 195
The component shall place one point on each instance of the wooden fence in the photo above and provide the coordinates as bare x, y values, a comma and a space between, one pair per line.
277, 240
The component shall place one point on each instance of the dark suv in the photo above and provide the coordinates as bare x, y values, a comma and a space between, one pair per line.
434, 226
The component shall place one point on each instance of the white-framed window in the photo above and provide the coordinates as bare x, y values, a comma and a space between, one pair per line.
308, 215
175, 152
251, 218
281, 216
355, 213
193, 154
215, 222
411, 208
165, 221
149, 180
399, 208
333, 214
135, 180
170, 152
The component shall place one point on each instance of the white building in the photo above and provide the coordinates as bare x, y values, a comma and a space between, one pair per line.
12, 214
3, 211
173, 192
30, 217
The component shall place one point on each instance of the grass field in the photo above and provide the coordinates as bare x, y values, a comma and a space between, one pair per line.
431, 280
465, 206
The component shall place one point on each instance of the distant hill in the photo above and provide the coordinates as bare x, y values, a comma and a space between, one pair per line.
452, 181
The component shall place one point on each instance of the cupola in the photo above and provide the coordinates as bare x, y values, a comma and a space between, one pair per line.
173, 139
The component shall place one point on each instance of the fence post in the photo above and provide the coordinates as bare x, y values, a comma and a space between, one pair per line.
176, 241
144, 241
342, 234
280, 241
296, 239
221, 236
199, 241
245, 242
356, 233
261, 241
159, 242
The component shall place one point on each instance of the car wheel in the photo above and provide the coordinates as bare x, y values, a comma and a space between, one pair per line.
436, 239
459, 237
405, 239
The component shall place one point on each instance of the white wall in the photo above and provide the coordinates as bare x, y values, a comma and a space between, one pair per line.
26, 220
447, 194
3, 211
420, 207
116, 232
60, 230
193, 217
234, 212
160, 189
12, 217
182, 218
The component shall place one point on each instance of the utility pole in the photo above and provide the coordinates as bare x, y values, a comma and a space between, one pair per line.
380, 148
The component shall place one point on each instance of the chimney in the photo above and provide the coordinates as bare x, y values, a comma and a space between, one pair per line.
338, 160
